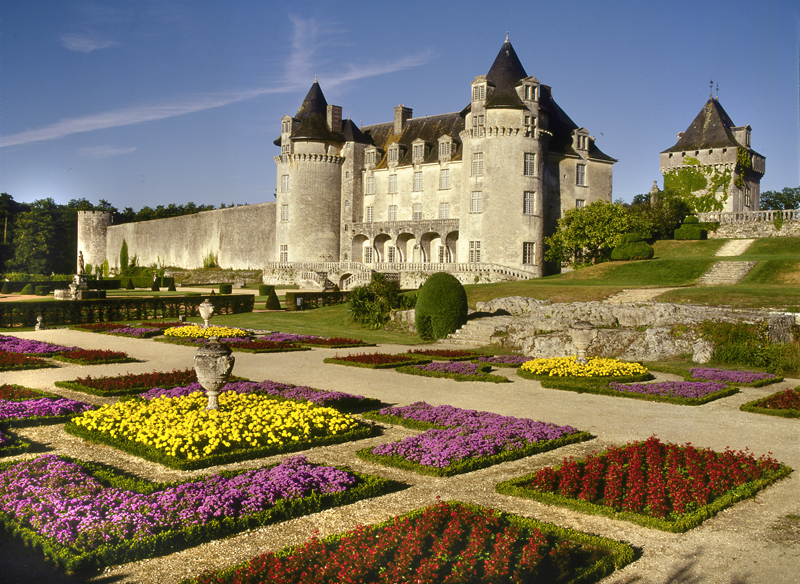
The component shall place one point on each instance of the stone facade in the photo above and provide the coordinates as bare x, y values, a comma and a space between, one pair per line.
713, 158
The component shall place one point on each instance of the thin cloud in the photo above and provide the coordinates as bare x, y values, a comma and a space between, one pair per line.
97, 152
82, 43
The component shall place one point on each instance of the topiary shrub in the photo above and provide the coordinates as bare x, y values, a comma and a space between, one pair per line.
263, 289
441, 306
690, 220
632, 247
129, 285
42, 290
28, 290
225, 288
272, 300
691, 229
6, 288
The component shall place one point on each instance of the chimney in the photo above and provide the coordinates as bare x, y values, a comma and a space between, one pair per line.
335, 118
401, 114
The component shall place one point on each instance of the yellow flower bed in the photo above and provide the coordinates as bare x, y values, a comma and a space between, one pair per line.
182, 427
194, 331
569, 367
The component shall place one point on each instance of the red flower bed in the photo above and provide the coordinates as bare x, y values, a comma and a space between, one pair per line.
100, 326
445, 353
376, 358
161, 325
89, 356
131, 381
9, 392
20, 361
335, 341
445, 543
259, 345
783, 400
653, 478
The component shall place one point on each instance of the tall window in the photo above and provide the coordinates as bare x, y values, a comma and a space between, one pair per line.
286, 148
284, 253
371, 157
367, 254
392, 183
369, 214
393, 154
444, 210
284, 127
478, 92
392, 212
474, 252
477, 163
528, 252
284, 213
444, 178
580, 175
285, 183
478, 124
442, 254
370, 185
444, 149
530, 164
418, 181
419, 152
529, 203
476, 202
391, 254
417, 212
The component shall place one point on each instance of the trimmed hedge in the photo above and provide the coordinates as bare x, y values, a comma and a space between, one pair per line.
632, 247
226, 288
441, 306
691, 229
314, 299
68, 312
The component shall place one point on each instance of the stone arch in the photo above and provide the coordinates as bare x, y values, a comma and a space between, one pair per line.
357, 253
430, 242
451, 241
405, 243
379, 243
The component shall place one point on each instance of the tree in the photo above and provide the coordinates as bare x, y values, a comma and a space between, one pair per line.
788, 198
664, 215
123, 258
587, 235
36, 243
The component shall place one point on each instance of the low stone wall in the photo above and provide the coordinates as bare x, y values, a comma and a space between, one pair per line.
755, 230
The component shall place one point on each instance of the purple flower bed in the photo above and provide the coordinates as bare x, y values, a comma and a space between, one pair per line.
457, 367
684, 389
727, 376
131, 331
468, 434
38, 408
61, 501
285, 390
504, 359
29, 346
4, 440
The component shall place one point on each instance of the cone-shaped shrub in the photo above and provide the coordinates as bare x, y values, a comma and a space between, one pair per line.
27, 290
441, 306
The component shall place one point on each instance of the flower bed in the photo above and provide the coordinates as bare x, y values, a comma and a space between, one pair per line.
93, 357
194, 331
375, 360
335, 342
180, 433
445, 354
40, 411
136, 332
503, 360
18, 361
340, 400
29, 346
12, 392
569, 367
11, 444
784, 403
287, 338
665, 486
129, 383
444, 543
457, 370
260, 346
85, 516
750, 378
688, 393
456, 441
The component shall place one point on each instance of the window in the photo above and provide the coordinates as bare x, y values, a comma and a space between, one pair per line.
394, 154
476, 202
370, 185
530, 92
579, 203
418, 181
392, 212
419, 152
285, 183
529, 203
444, 150
284, 213
530, 164
284, 253
528, 252
417, 212
530, 123
392, 183
442, 254
477, 164
746, 196
477, 125
580, 175
284, 127
444, 178
474, 252
370, 157
391, 254
369, 214
444, 210
367, 254
478, 92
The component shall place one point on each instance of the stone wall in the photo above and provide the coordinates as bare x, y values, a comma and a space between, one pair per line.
755, 230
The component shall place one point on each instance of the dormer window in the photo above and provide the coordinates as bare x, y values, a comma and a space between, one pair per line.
371, 156
445, 148
478, 92
394, 154
529, 92
418, 152
286, 126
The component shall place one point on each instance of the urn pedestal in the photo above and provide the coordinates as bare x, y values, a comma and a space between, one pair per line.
213, 363
583, 333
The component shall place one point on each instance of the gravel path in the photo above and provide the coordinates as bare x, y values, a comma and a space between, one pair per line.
756, 541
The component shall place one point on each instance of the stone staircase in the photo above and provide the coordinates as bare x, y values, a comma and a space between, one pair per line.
725, 273
636, 295
478, 332
734, 247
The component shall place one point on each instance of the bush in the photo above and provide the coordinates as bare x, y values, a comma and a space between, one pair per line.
263, 289
225, 288
42, 290
154, 287
632, 247
690, 220
441, 306
129, 285
691, 229
372, 305
272, 300
6, 288
28, 290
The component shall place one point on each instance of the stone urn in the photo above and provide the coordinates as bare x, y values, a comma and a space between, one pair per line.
206, 310
583, 333
213, 363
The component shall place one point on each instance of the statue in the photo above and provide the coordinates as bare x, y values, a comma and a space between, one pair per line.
81, 267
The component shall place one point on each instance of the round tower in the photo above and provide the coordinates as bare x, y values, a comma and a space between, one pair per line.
309, 182
92, 236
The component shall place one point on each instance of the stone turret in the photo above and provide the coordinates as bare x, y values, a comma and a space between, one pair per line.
92, 232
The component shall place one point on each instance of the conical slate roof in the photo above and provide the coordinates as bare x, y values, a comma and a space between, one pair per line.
313, 116
505, 74
712, 128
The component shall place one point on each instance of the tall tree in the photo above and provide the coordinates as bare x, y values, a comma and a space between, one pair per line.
788, 198
36, 245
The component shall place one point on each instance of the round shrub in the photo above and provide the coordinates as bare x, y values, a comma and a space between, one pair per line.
27, 290
225, 288
632, 247
631, 238
42, 290
691, 219
441, 306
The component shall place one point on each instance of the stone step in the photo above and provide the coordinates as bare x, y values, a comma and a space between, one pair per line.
725, 273
636, 295
479, 331
734, 247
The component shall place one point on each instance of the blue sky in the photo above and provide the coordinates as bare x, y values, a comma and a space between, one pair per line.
156, 102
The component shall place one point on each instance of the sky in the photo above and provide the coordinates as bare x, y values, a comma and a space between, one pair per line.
143, 102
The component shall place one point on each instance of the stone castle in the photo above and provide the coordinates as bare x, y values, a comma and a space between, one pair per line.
473, 192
